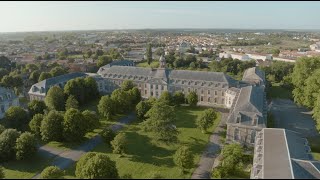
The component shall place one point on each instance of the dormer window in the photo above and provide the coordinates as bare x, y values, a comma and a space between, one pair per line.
238, 118
254, 121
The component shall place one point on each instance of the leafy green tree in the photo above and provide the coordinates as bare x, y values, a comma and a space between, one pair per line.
104, 60
2, 176
91, 119
52, 172
91, 88
192, 98
55, 99
34, 76
160, 122
135, 96
2, 128
11, 81
72, 103
16, 117
142, 108
26, 146
149, 54
7, 144
106, 107
76, 87
36, 107
52, 126
31, 67
316, 112
6, 63
183, 158
3, 72
166, 97
120, 99
57, 71
108, 135
206, 119
96, 166
178, 98
303, 68
127, 85
35, 124
119, 143
44, 75
159, 52
74, 125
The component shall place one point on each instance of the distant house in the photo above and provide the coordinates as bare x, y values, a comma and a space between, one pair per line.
7, 99
260, 56
315, 47
39, 90
283, 154
239, 56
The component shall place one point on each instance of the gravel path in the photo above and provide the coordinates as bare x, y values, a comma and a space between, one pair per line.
65, 158
205, 165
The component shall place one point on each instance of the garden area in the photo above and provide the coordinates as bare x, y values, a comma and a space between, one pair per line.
147, 158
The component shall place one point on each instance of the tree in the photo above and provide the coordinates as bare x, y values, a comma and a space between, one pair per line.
312, 89
142, 108
275, 52
120, 99
192, 98
76, 87
35, 124
119, 143
108, 135
6, 63
44, 75
159, 52
26, 146
91, 88
92, 120
57, 71
178, 98
52, 172
149, 54
3, 72
36, 107
166, 97
206, 119
16, 117
2, 128
127, 85
316, 112
106, 107
51, 126
72, 103
34, 76
104, 60
160, 121
231, 162
55, 99
74, 125
183, 158
96, 166
2, 176
7, 144
303, 68
135, 96
12, 81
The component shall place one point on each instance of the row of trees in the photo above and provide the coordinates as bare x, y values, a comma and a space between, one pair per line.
233, 66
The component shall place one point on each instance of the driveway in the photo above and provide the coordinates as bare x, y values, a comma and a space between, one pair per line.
206, 162
66, 158
290, 116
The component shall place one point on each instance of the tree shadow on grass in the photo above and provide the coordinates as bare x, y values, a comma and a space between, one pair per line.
141, 150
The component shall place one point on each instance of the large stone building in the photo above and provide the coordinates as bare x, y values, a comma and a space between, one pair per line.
7, 99
39, 90
210, 87
283, 154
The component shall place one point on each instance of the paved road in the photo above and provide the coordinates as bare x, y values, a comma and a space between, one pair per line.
205, 165
290, 116
65, 158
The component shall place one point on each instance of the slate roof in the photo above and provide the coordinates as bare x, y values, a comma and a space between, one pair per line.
47, 83
250, 104
285, 155
4, 92
253, 74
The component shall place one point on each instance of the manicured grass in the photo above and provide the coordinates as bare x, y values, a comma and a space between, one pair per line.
154, 64
25, 169
276, 91
316, 156
145, 156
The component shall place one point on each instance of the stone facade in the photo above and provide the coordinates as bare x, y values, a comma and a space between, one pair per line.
7, 99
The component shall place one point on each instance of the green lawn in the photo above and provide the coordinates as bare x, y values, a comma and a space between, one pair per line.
154, 64
145, 156
25, 169
276, 91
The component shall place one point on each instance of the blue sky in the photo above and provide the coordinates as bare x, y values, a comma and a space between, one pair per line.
86, 15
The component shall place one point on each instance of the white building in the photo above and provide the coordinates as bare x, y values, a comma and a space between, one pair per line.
7, 99
315, 47
260, 56
241, 57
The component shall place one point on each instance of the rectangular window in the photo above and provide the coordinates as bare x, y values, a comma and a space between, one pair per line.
201, 99
215, 93
222, 93
145, 91
162, 87
208, 91
151, 93
201, 91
